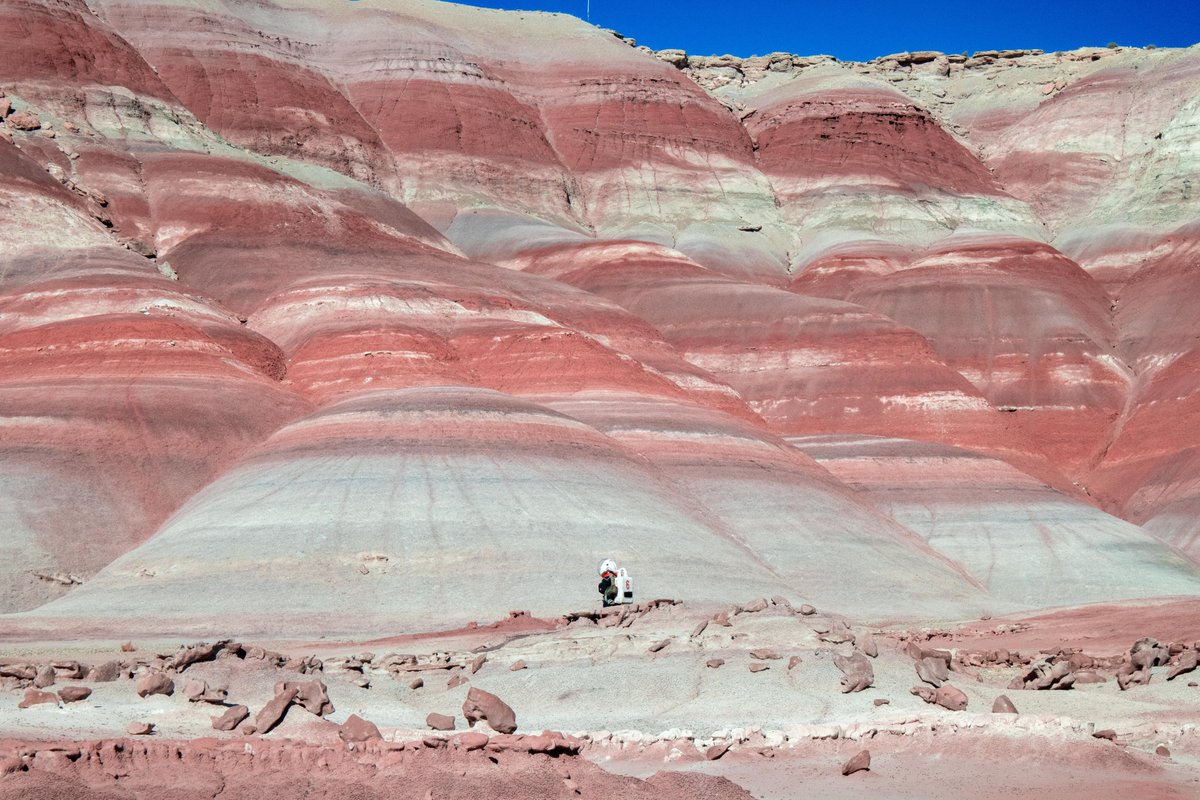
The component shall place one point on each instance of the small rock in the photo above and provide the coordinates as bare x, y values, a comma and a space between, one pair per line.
716, 751
517, 666
36, 697
44, 677
24, 121
858, 763
107, 672
357, 729
793, 662
807, 610
1162, 750
699, 629
758, 667
155, 683
440, 722
417, 684
654, 648
881, 701
312, 696
933, 671
231, 718
1107, 733
481, 705
1188, 661
866, 643
272, 713
714, 663
140, 728
1003, 705
479, 661
456, 681
472, 740
765, 655
761, 603
857, 672
73, 694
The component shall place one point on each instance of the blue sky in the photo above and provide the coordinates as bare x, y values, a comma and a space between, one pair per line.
868, 28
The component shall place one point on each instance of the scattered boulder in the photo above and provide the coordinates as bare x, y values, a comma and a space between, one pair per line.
793, 662
866, 643
198, 691
478, 663
231, 718
1052, 672
1162, 750
312, 696
357, 729
700, 628
946, 696
44, 677
861, 761
440, 722
654, 648
24, 672
881, 701
933, 671
1003, 705
1188, 661
272, 713
456, 681
24, 121
714, 663
73, 694
140, 728
481, 705
155, 683
195, 653
716, 751
517, 666
1107, 733
758, 667
417, 684
857, 673
1130, 675
36, 697
757, 605
1147, 652
765, 654
471, 740
807, 610
107, 672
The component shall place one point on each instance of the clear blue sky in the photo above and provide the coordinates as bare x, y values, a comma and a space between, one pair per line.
859, 30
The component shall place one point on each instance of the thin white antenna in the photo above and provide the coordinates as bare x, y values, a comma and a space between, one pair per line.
589, 10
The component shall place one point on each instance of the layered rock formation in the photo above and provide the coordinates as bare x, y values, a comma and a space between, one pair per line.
357, 317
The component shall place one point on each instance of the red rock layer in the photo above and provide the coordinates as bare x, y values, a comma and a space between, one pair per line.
110, 414
1029, 328
1152, 468
372, 770
60, 42
804, 364
871, 134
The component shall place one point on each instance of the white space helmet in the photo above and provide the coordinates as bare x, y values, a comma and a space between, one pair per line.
607, 565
